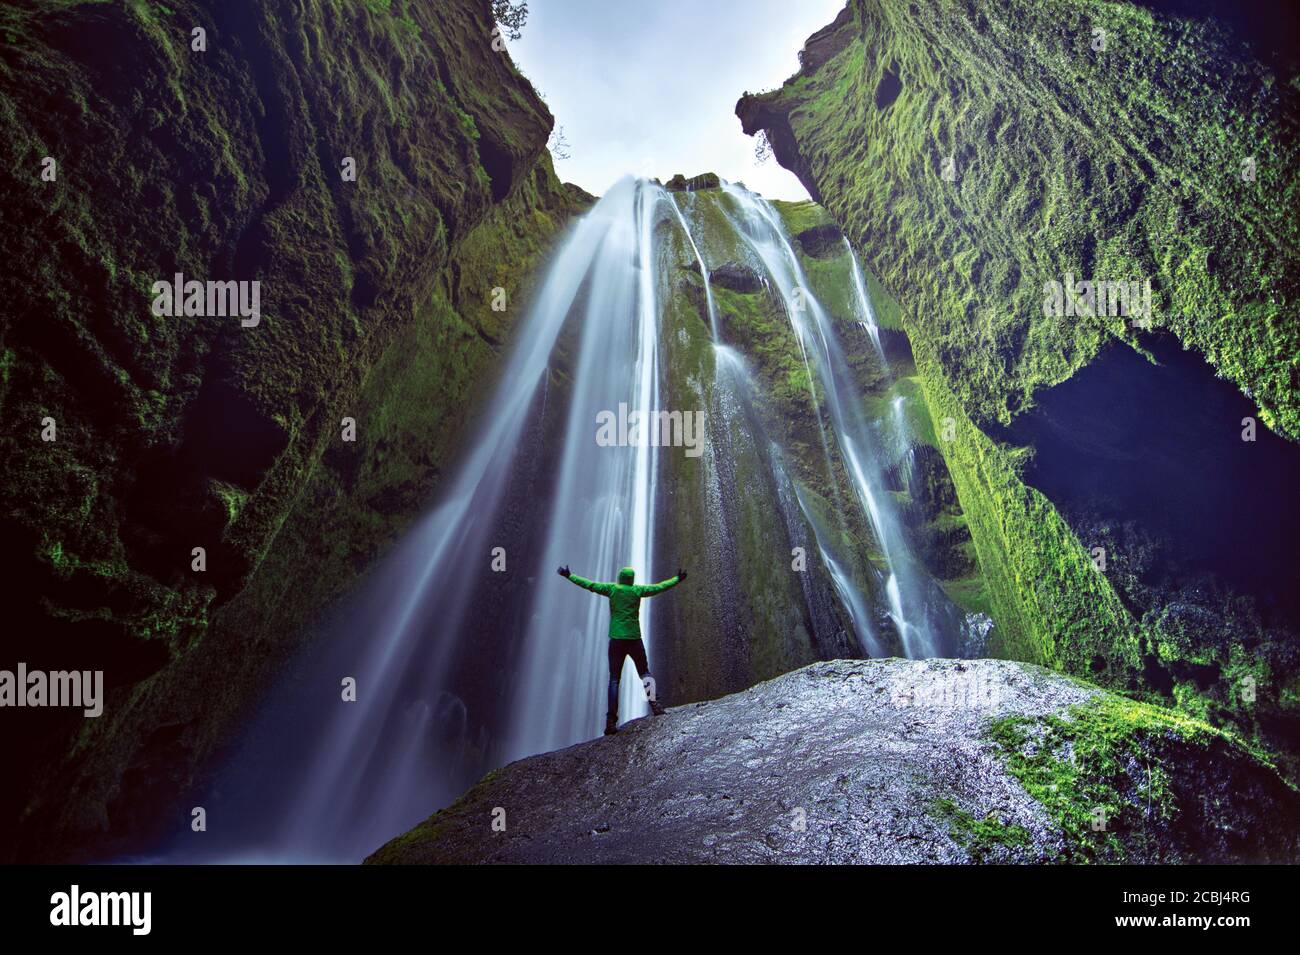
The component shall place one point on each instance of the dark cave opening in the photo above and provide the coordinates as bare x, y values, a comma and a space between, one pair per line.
1161, 446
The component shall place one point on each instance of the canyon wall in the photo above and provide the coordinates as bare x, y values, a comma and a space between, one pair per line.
975, 153
230, 162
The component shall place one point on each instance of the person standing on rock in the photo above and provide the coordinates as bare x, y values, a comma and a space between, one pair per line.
625, 631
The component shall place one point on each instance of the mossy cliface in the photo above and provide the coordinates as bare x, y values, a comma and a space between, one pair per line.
1127, 162
176, 433
1126, 781
975, 157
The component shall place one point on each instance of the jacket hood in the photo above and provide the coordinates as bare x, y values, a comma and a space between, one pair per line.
626, 576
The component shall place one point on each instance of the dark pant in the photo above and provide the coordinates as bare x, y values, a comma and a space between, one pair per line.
618, 649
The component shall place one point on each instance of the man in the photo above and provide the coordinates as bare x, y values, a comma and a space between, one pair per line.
625, 630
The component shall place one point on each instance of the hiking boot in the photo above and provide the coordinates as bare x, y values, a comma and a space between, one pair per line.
656, 708
611, 724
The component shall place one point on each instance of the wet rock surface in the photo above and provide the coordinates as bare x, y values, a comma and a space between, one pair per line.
737, 277
848, 761
705, 180
821, 241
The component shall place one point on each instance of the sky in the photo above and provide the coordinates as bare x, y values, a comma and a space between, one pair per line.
651, 88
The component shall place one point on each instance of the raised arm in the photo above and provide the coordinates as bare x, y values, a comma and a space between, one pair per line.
649, 590
595, 587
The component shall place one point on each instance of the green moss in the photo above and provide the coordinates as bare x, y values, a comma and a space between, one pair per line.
970, 593
889, 314
362, 270
831, 281
1102, 771
799, 216
985, 839
232, 499
1127, 168
409, 27
759, 323
467, 123
55, 556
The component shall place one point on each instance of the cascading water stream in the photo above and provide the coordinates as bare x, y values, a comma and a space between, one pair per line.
734, 378
906, 587
704, 274
866, 312
603, 512
904, 454
374, 750
378, 765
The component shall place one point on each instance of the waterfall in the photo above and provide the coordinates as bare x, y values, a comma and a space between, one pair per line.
459, 669
704, 272
866, 313
362, 784
411, 639
602, 515
909, 590
904, 455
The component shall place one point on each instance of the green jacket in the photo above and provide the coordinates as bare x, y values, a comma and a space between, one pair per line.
624, 601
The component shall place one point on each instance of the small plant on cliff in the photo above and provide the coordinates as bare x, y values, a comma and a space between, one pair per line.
510, 16
466, 121
557, 144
